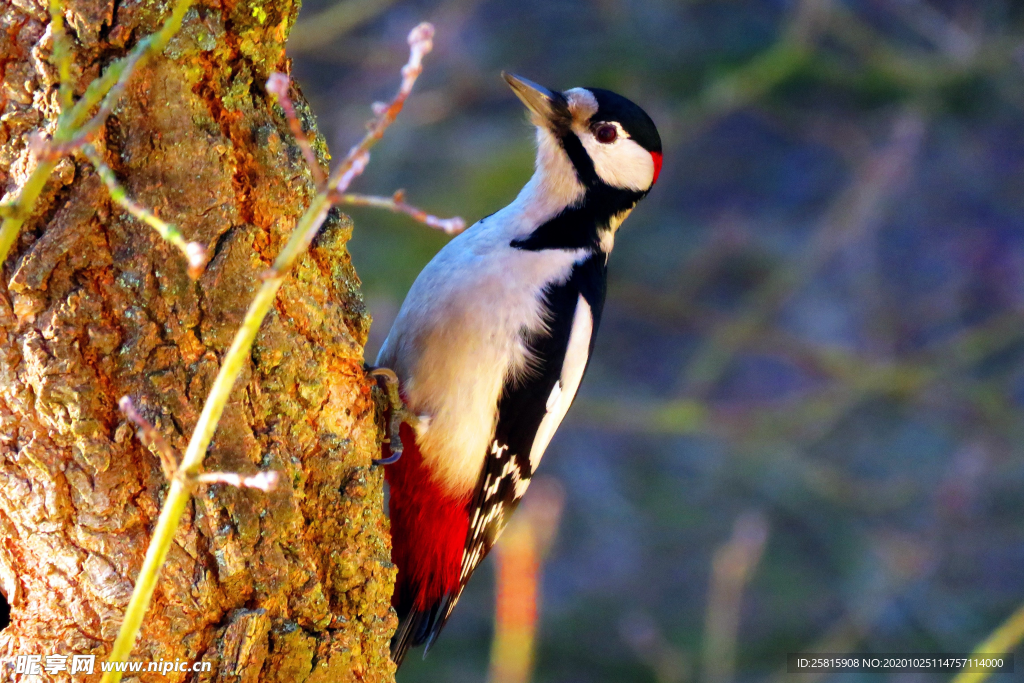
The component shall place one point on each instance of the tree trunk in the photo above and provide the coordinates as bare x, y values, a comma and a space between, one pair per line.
291, 586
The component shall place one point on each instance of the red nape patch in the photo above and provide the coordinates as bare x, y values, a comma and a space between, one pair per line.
428, 530
656, 157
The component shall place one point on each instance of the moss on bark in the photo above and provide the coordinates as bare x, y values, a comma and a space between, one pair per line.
290, 586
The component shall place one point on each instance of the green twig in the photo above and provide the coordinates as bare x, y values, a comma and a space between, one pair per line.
1004, 639
108, 88
239, 353
22, 207
193, 252
180, 491
72, 126
61, 53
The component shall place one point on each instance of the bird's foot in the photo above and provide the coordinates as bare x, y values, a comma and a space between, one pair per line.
399, 413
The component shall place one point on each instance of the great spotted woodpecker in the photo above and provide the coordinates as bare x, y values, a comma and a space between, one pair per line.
493, 340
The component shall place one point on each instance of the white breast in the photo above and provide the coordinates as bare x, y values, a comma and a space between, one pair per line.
458, 337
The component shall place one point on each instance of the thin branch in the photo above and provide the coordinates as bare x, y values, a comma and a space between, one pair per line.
72, 128
85, 131
20, 209
61, 53
420, 43
111, 84
277, 85
238, 355
264, 481
1006, 638
194, 252
396, 203
355, 169
151, 437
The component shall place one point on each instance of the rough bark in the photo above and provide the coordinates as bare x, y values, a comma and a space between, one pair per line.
288, 586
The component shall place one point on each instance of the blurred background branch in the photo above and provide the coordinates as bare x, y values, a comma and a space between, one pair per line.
518, 556
853, 214
1006, 638
817, 314
333, 22
731, 568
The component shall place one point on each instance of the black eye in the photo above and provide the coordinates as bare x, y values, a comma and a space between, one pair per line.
606, 134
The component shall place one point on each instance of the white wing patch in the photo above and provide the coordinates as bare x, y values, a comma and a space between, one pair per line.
553, 398
565, 388
508, 474
489, 517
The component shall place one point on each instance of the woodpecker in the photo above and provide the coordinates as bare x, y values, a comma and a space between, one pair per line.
493, 340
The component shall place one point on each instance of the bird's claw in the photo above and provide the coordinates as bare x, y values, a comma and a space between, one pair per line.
396, 454
399, 414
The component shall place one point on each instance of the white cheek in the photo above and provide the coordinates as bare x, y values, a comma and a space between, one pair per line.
622, 163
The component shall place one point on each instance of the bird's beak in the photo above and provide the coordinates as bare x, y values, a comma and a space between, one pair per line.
548, 107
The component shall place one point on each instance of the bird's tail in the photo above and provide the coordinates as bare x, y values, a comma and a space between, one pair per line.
409, 628
428, 530
417, 627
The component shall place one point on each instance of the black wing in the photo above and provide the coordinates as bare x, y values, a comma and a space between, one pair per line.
521, 408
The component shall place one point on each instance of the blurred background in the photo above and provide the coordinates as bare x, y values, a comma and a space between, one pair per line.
801, 429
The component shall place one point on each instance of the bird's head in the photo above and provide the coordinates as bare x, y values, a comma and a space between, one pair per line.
608, 140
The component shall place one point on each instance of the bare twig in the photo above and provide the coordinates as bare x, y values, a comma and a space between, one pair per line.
264, 481
151, 437
356, 168
85, 131
238, 355
397, 204
277, 85
194, 252
420, 43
